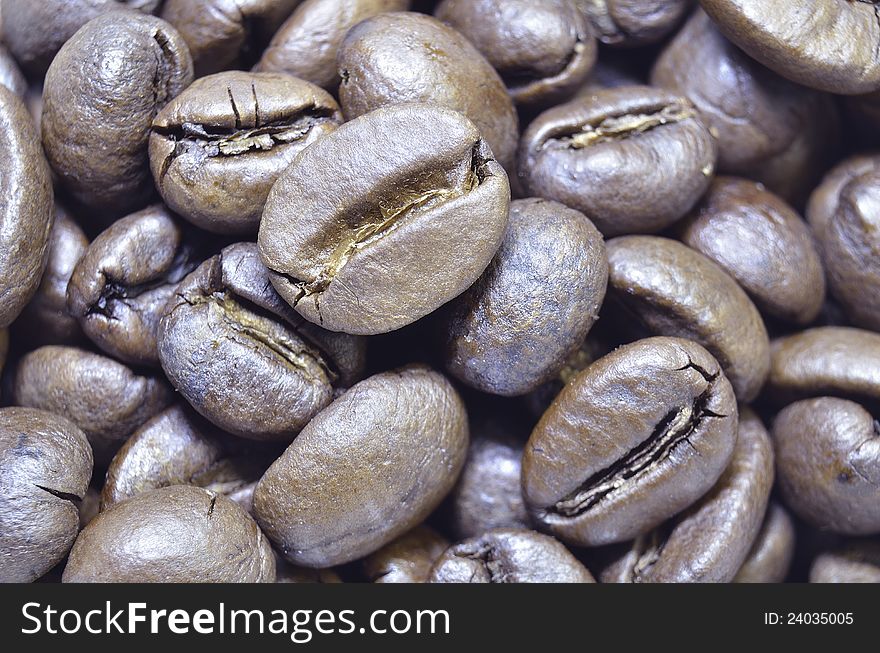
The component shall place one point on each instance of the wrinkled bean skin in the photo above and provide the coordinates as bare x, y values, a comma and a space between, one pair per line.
513, 329
119, 288
628, 23
836, 361
177, 534
594, 474
598, 154
408, 559
543, 50
104, 398
397, 239
857, 562
509, 556
25, 208
406, 57
243, 358
844, 212
763, 244
709, 542
676, 291
35, 31
45, 320
10, 75
45, 467
217, 148
830, 46
828, 461
117, 72
225, 33
307, 43
773, 550
176, 447
339, 493
768, 128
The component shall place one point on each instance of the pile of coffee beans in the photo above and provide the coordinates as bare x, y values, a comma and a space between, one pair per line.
488, 291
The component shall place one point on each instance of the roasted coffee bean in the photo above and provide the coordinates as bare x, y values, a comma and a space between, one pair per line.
177, 534
836, 361
676, 291
35, 31
408, 559
543, 50
45, 320
226, 33
217, 148
856, 562
489, 491
709, 542
367, 232
339, 492
634, 439
628, 23
119, 288
407, 57
844, 212
103, 397
773, 550
287, 573
45, 467
25, 208
828, 461
825, 44
307, 43
534, 304
101, 94
762, 243
768, 128
508, 555
599, 154
177, 447
243, 358
10, 75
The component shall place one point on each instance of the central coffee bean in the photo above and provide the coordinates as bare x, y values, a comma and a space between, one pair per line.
368, 230
635, 438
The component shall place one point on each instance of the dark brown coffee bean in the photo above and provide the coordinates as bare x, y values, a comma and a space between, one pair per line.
243, 358
509, 556
287, 573
599, 154
627, 23
217, 148
408, 559
226, 33
709, 542
339, 493
768, 128
101, 94
119, 288
828, 461
832, 47
761, 242
543, 50
407, 57
676, 291
635, 438
856, 562
177, 534
844, 212
35, 31
10, 75
836, 361
368, 231
534, 304
307, 43
773, 550
25, 208
45, 320
104, 398
45, 467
